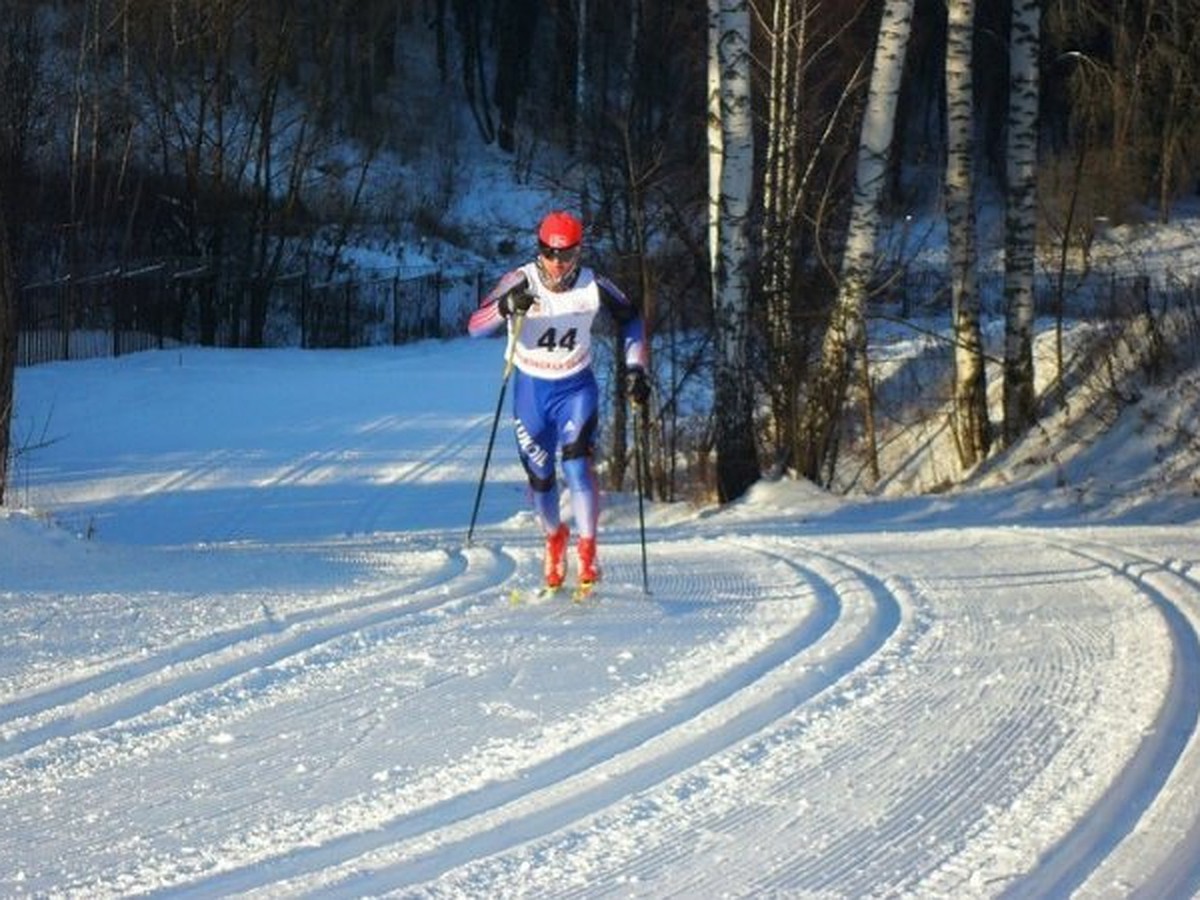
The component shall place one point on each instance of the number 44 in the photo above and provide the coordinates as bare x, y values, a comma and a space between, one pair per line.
551, 341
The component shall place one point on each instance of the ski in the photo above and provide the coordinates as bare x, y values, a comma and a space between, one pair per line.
582, 591
518, 596
578, 593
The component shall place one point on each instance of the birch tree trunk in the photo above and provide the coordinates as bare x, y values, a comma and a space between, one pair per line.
1020, 220
731, 182
846, 330
970, 414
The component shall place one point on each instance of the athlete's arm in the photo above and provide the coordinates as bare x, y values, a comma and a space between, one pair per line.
628, 319
487, 318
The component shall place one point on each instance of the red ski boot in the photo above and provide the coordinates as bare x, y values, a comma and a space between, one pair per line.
589, 571
555, 568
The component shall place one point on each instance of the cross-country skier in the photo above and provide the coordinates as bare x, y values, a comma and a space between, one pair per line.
555, 398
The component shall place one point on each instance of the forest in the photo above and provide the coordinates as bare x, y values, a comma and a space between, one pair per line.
738, 165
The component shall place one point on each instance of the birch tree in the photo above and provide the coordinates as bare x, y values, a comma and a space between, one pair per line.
731, 181
970, 414
1020, 219
846, 333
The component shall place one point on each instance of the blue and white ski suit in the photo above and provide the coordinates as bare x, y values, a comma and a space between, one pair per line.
555, 397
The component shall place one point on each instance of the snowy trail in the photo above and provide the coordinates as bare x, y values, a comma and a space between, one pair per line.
771, 728
130, 687
262, 684
731, 705
1172, 754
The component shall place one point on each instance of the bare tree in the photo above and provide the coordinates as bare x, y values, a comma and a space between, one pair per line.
20, 80
781, 188
8, 346
1020, 398
515, 20
643, 194
731, 182
1131, 93
238, 142
581, 30
1175, 59
846, 334
810, 92
970, 384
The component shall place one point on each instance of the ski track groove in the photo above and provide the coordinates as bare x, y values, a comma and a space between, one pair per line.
767, 702
837, 581
494, 817
206, 666
409, 873
948, 809
837, 866
982, 778
1070, 863
838, 665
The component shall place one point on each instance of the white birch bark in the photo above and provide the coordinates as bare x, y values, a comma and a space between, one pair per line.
1020, 401
716, 144
731, 174
845, 333
970, 384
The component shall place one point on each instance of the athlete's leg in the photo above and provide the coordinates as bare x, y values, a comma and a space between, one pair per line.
536, 444
577, 417
585, 494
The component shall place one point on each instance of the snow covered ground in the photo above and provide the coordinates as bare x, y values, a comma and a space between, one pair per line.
252, 655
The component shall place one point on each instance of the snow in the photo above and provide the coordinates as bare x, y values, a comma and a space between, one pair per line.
245, 649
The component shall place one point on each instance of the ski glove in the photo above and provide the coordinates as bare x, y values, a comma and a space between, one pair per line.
515, 302
637, 386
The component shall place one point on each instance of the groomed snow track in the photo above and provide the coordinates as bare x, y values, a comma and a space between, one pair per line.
978, 712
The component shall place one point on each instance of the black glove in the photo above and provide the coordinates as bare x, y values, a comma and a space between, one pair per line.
637, 386
515, 302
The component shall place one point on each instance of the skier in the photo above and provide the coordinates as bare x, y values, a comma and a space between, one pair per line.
555, 397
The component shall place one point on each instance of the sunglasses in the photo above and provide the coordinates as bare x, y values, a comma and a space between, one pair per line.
563, 254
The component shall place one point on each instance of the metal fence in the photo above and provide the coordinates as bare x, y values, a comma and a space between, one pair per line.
368, 311
166, 303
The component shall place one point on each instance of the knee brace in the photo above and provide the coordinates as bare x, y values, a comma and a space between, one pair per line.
582, 445
540, 483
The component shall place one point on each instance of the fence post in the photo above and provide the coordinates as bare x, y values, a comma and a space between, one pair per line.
64, 316
304, 310
160, 306
396, 310
115, 314
437, 304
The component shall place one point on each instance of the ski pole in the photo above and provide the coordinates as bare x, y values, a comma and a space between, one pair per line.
513, 335
640, 426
